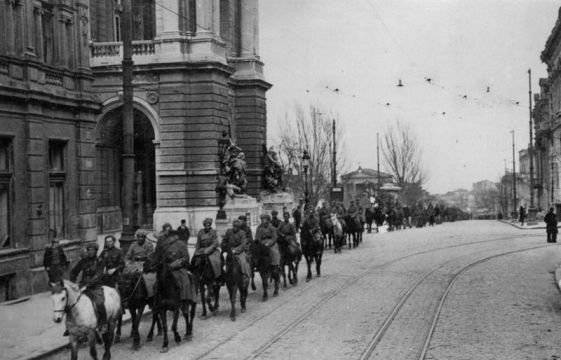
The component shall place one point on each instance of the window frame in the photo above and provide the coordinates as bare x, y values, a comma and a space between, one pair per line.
6, 181
57, 177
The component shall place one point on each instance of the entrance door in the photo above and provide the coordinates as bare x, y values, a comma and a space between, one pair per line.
110, 172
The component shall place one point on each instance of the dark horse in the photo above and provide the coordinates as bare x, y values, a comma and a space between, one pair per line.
326, 226
291, 254
168, 298
134, 298
312, 248
235, 280
208, 286
261, 260
354, 229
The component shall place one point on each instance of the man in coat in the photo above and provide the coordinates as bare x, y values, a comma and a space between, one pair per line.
112, 261
54, 260
275, 221
137, 254
183, 232
172, 253
369, 217
235, 242
551, 226
246, 229
297, 215
207, 245
266, 235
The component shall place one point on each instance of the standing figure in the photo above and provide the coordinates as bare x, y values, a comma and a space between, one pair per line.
297, 215
522, 215
369, 217
54, 260
275, 221
551, 226
183, 232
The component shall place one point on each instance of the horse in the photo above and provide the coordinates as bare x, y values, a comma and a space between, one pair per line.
208, 286
134, 298
338, 233
261, 259
326, 226
168, 298
291, 255
312, 248
354, 230
235, 280
81, 318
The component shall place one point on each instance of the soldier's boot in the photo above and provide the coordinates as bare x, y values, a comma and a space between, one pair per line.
101, 313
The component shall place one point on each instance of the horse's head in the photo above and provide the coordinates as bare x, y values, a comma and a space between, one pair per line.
61, 291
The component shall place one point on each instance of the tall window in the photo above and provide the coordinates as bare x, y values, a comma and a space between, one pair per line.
57, 177
48, 30
117, 24
5, 193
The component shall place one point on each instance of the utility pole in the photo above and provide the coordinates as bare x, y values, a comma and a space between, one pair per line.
378, 162
505, 191
532, 211
514, 202
128, 127
334, 162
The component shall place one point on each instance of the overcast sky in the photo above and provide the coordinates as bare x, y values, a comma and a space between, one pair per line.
363, 47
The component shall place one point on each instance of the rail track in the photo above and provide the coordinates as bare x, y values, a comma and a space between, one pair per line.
319, 303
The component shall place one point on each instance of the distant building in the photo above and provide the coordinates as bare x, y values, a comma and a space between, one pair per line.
363, 182
459, 198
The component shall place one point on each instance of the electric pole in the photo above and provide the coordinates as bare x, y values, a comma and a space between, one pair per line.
532, 211
128, 126
334, 154
514, 202
378, 162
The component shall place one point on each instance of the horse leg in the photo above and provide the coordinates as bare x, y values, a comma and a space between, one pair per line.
309, 263
203, 299
253, 287
119, 324
283, 274
176, 335
265, 283
232, 289
74, 347
189, 317
295, 271
216, 294
108, 339
163, 318
243, 295
135, 326
91, 342
276, 278
318, 265
154, 321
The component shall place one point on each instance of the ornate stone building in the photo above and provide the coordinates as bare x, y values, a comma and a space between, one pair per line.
547, 118
197, 75
47, 127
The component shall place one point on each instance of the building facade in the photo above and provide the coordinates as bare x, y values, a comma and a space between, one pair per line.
547, 121
47, 127
198, 80
197, 76
362, 183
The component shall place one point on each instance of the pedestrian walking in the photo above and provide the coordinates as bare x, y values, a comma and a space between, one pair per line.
551, 226
521, 215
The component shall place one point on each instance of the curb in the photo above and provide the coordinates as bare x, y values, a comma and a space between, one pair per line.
521, 227
558, 277
67, 346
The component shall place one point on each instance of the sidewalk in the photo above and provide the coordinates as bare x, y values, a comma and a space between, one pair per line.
516, 224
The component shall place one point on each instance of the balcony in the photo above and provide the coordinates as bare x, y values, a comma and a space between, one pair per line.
111, 53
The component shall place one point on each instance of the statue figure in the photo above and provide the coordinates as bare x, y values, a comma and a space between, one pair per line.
232, 178
273, 170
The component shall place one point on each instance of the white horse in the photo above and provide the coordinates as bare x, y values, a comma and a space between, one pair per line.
338, 234
81, 319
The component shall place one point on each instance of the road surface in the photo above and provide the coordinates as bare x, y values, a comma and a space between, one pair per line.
466, 290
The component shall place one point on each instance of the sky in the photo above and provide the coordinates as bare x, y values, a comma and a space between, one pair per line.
364, 47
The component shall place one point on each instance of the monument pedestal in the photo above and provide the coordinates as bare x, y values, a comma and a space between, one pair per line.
532, 218
235, 207
193, 216
277, 201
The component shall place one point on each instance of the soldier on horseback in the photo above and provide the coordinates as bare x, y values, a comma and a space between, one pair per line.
275, 221
91, 268
235, 242
112, 261
207, 245
266, 235
137, 254
289, 248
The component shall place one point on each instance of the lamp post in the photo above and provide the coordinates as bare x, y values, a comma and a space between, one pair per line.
305, 166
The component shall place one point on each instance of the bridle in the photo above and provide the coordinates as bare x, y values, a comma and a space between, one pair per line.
67, 308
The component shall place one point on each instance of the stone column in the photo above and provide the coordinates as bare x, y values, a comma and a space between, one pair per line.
216, 17
83, 58
249, 28
10, 26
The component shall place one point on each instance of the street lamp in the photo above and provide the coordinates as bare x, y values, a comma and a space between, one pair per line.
305, 166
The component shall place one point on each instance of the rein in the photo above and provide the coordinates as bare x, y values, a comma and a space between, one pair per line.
68, 308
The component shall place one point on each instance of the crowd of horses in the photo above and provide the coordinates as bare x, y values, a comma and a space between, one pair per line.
133, 294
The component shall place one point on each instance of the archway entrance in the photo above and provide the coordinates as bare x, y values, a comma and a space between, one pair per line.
109, 150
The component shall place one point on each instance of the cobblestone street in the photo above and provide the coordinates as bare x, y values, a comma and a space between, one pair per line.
468, 290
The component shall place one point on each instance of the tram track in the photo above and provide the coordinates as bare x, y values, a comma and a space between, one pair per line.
331, 294
380, 333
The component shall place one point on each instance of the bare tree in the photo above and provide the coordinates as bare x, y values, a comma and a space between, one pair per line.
402, 155
312, 131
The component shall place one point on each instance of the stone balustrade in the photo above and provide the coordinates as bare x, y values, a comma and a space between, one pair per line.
111, 53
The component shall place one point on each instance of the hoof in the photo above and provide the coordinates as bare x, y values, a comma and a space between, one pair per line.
135, 347
149, 338
253, 287
276, 293
188, 337
164, 350
308, 278
242, 310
